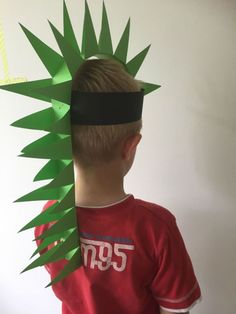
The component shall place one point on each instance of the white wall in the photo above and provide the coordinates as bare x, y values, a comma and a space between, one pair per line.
186, 160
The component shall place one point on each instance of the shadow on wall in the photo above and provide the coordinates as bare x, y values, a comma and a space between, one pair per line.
215, 256
214, 145
214, 157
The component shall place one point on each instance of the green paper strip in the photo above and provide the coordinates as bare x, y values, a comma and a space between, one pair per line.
148, 87
122, 48
68, 30
66, 246
51, 169
58, 146
44, 218
134, 65
62, 126
65, 177
40, 120
42, 260
45, 120
50, 58
89, 41
105, 41
67, 202
60, 92
69, 221
29, 89
74, 263
72, 57
47, 241
44, 194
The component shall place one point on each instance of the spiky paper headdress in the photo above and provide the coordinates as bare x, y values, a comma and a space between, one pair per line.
56, 145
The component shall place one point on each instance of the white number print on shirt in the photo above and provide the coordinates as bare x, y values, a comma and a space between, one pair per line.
102, 261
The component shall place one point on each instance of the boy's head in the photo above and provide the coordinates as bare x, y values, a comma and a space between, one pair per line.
95, 145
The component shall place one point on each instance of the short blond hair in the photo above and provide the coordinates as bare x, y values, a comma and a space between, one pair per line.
96, 144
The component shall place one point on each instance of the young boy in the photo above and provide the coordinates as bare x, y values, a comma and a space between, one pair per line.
134, 257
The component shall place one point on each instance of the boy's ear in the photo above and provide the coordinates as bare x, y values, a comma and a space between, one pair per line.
130, 144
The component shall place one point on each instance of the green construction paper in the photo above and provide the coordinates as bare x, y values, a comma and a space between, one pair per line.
51, 169
63, 75
105, 41
43, 259
67, 202
40, 120
69, 221
62, 113
66, 246
50, 58
122, 48
89, 40
45, 120
60, 108
148, 87
68, 30
65, 177
44, 217
62, 126
47, 241
134, 65
72, 58
44, 194
29, 89
56, 145
74, 263
60, 92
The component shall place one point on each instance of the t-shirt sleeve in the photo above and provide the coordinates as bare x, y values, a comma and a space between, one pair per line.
175, 286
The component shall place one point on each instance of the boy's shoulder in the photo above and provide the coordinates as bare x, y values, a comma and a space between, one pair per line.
154, 212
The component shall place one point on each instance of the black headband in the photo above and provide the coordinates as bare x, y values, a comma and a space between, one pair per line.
104, 108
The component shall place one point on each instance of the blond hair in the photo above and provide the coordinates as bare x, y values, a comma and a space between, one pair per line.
96, 144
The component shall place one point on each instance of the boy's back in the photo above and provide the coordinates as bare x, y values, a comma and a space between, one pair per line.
134, 261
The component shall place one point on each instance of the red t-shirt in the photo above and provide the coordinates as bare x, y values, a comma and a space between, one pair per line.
134, 262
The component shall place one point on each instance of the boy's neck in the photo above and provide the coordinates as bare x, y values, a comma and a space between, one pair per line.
99, 186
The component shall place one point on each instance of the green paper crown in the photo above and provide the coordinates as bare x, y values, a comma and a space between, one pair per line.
56, 145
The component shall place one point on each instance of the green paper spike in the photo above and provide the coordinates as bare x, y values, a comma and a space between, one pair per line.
42, 260
66, 201
149, 88
40, 120
68, 222
105, 41
28, 89
47, 241
64, 178
89, 41
70, 267
68, 30
50, 58
134, 65
56, 146
52, 144
51, 169
60, 92
44, 193
45, 120
70, 243
72, 57
122, 48
43, 218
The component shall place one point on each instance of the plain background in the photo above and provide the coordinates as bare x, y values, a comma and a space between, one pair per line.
186, 159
